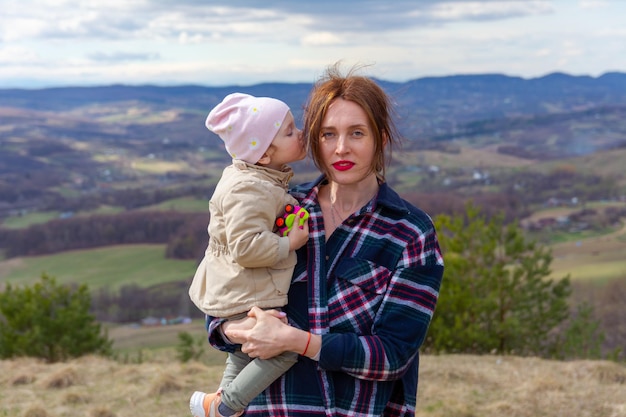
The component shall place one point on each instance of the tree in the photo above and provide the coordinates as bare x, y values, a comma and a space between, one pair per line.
496, 295
582, 337
188, 348
49, 321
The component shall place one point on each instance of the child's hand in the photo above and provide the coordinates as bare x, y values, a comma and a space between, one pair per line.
294, 224
292, 217
298, 236
245, 323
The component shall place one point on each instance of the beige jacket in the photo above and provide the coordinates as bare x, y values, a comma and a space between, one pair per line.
246, 264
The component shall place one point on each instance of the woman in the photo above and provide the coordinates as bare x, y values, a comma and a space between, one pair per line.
365, 286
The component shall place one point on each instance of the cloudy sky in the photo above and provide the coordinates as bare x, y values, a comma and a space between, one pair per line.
224, 42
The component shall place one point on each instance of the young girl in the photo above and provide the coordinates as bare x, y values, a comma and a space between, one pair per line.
246, 264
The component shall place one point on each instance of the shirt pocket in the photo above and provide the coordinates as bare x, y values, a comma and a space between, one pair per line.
356, 294
366, 275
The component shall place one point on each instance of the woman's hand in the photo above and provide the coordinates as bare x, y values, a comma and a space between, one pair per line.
264, 339
232, 327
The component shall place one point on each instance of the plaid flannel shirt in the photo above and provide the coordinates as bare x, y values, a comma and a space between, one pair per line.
370, 291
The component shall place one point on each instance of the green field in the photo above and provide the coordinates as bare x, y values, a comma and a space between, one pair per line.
183, 204
596, 259
589, 258
18, 222
113, 267
29, 219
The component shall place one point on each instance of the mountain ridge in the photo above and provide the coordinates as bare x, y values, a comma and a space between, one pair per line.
427, 108
609, 85
79, 140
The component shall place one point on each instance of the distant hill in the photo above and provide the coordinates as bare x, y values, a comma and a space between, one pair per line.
81, 141
428, 107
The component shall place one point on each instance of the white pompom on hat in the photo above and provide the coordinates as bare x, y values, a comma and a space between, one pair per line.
247, 124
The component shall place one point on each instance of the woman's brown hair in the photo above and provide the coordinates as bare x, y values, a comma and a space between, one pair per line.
368, 95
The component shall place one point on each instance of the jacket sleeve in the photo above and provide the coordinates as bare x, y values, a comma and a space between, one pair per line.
249, 212
215, 336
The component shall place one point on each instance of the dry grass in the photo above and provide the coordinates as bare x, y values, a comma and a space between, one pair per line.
450, 386
98, 387
485, 386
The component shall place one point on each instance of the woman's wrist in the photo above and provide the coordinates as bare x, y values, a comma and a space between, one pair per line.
308, 344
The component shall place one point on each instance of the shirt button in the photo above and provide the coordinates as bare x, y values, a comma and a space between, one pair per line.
327, 257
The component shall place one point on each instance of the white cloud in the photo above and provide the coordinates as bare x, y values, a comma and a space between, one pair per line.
16, 55
485, 10
592, 4
239, 41
321, 39
185, 38
571, 48
122, 57
18, 29
544, 52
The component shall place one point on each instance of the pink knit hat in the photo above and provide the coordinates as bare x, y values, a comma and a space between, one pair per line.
247, 124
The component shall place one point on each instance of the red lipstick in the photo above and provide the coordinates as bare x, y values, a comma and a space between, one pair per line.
343, 165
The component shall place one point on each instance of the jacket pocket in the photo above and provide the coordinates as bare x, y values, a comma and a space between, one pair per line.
281, 273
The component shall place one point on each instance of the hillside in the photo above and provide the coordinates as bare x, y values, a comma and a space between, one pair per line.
450, 386
86, 172
62, 144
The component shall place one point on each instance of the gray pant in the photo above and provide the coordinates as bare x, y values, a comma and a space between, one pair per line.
245, 377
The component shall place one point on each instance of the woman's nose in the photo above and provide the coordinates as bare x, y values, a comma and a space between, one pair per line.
341, 145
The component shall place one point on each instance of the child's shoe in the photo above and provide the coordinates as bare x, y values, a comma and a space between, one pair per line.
204, 405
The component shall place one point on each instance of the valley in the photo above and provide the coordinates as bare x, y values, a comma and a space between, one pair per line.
85, 171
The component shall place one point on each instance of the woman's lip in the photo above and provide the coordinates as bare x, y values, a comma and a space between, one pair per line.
343, 165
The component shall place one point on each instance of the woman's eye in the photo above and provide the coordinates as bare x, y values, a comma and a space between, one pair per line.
358, 133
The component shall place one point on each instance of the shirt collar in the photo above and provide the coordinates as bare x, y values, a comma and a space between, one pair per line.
387, 197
